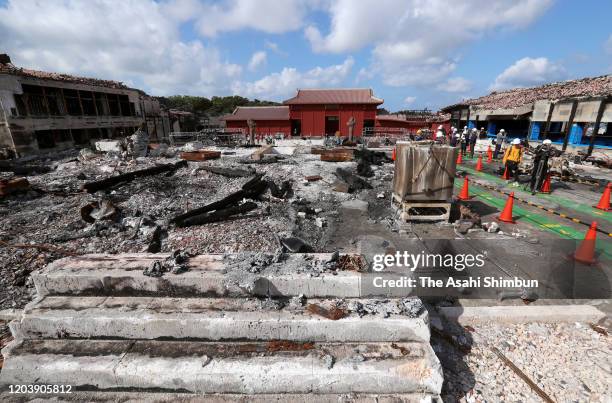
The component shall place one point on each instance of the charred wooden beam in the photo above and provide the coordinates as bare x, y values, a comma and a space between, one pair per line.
250, 190
92, 187
229, 172
217, 215
18, 169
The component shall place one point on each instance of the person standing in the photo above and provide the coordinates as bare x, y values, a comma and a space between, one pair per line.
464, 140
453, 137
540, 164
483, 133
473, 139
499, 142
512, 159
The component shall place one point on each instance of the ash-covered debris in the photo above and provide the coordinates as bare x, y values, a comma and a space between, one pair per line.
329, 361
252, 262
410, 307
176, 263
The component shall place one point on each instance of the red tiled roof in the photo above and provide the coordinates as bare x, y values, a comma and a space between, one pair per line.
334, 96
259, 113
8, 68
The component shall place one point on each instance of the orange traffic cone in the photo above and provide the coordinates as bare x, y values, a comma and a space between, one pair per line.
586, 251
506, 174
546, 185
489, 155
459, 159
604, 202
506, 215
479, 163
393, 154
465, 193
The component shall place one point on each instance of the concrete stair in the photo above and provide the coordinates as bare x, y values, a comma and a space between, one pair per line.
114, 334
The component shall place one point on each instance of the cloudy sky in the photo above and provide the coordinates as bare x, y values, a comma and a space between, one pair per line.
413, 53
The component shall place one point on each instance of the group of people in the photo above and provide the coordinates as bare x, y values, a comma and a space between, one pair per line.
512, 156
462, 140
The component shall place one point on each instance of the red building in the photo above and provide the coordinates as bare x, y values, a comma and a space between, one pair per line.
268, 119
400, 122
315, 112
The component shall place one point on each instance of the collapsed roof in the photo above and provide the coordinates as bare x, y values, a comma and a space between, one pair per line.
581, 88
6, 67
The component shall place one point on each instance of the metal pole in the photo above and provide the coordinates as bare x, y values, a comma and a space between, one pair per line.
570, 122
602, 106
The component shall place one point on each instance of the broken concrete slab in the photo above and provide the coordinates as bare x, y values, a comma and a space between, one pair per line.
169, 397
212, 319
106, 146
244, 368
206, 276
470, 315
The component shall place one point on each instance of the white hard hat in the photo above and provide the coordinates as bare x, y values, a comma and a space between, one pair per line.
547, 141
516, 141
502, 130
482, 128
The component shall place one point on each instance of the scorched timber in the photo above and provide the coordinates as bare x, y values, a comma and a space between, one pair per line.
93, 187
217, 215
250, 190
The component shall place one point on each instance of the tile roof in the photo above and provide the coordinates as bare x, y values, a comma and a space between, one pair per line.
584, 87
334, 96
259, 113
8, 68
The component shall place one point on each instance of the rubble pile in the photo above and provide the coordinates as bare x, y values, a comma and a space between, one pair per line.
586, 87
127, 199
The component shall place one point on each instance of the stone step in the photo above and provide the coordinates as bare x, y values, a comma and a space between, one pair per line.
238, 367
208, 276
168, 397
213, 319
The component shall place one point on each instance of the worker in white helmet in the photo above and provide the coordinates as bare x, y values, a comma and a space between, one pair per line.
440, 135
465, 137
540, 164
512, 158
499, 142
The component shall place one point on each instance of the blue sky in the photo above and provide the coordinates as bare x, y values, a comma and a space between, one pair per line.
413, 53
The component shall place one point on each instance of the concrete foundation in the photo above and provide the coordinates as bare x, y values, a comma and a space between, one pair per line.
103, 327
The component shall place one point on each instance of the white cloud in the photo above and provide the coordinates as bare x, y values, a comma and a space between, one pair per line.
529, 72
273, 46
137, 42
257, 60
455, 84
289, 79
414, 41
409, 100
269, 16
608, 45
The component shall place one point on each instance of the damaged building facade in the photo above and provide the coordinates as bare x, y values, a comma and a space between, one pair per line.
45, 112
576, 113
